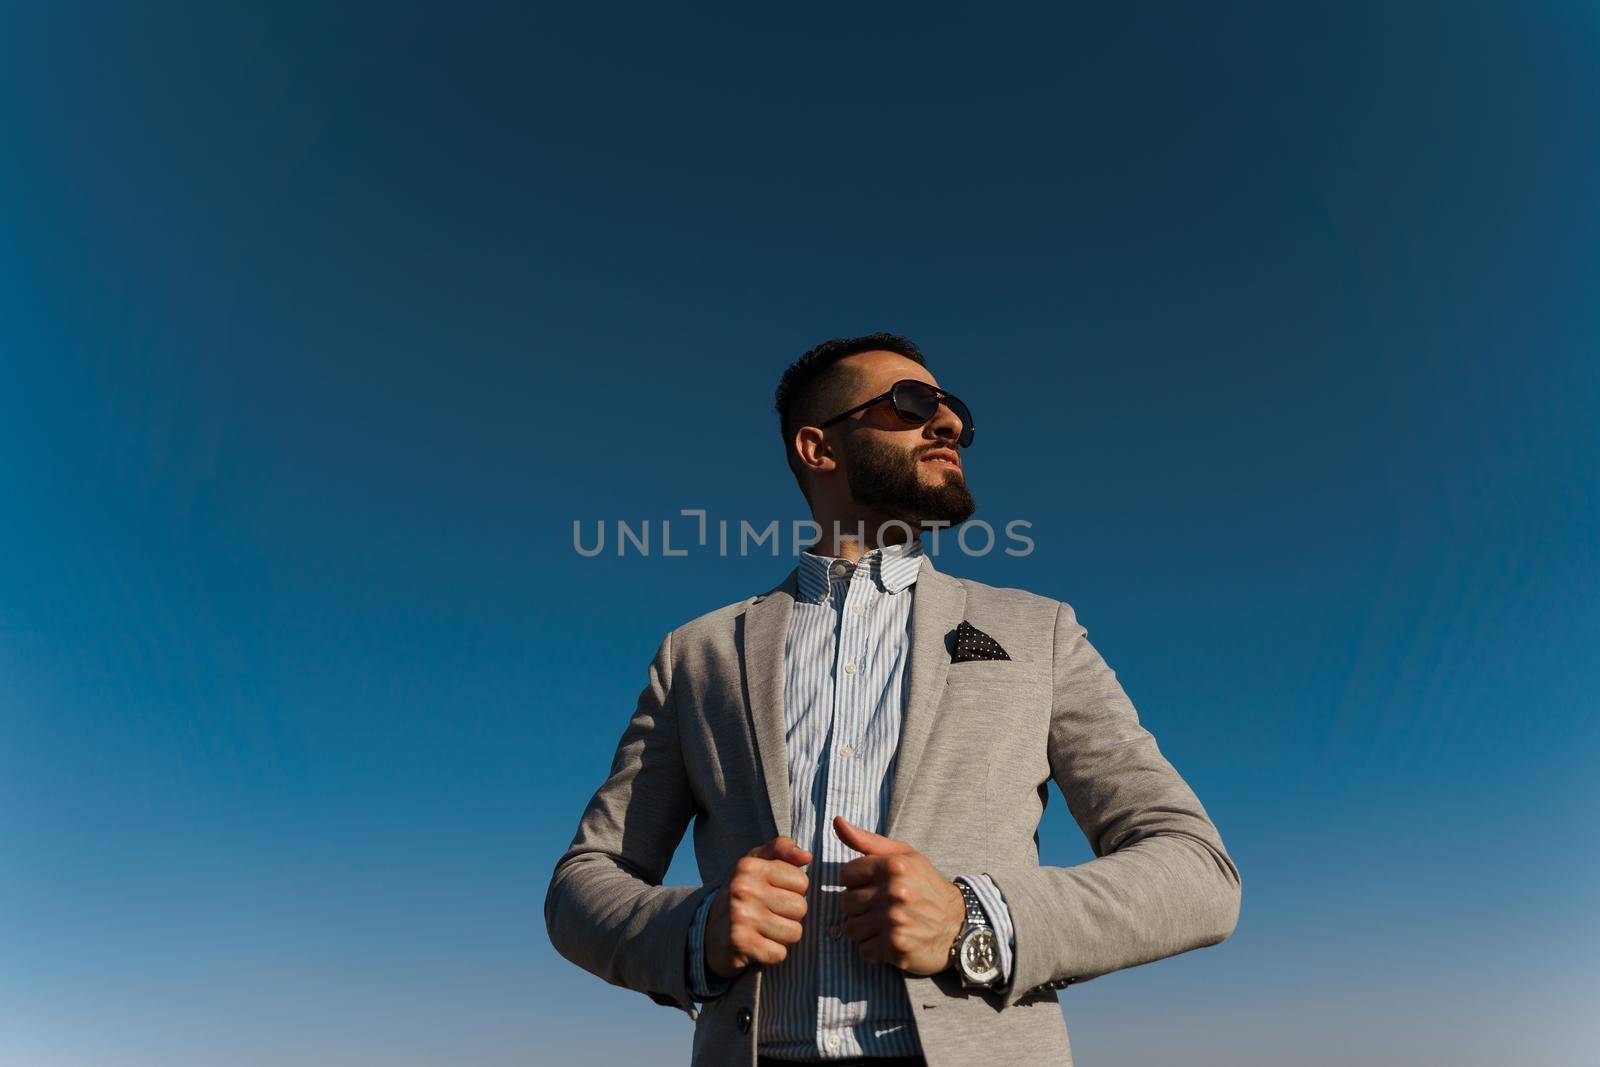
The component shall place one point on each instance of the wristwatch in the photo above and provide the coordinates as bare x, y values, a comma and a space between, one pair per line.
976, 953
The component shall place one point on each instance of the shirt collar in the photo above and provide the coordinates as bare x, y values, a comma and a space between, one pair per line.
890, 567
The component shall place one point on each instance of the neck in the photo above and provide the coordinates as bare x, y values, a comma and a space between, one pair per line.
853, 539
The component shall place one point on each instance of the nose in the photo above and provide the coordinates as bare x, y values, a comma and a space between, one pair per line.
945, 425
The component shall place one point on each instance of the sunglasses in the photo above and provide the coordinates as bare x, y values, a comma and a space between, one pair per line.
915, 402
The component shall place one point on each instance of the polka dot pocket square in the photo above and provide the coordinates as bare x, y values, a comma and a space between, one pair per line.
973, 644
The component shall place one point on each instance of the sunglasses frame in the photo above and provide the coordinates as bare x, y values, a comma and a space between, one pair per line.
940, 395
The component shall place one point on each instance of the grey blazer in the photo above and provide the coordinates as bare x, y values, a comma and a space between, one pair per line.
980, 743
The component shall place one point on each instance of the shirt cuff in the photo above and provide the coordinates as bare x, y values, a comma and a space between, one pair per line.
999, 916
703, 984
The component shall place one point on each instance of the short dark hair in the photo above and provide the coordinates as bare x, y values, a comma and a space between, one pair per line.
815, 387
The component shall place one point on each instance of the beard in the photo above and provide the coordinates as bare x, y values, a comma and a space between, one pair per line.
886, 479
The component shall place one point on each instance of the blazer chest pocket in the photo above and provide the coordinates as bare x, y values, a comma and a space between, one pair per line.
998, 693
991, 672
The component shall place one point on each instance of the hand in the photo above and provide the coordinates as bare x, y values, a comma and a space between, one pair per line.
756, 914
903, 912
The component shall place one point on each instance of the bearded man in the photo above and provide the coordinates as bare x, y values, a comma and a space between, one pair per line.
865, 752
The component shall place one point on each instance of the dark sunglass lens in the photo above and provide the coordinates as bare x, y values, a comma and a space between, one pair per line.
915, 401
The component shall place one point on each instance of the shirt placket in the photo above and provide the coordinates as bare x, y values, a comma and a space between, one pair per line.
845, 795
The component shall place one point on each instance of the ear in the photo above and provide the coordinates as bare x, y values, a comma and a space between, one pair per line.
812, 448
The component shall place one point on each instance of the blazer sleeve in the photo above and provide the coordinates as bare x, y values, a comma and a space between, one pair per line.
1161, 882
606, 909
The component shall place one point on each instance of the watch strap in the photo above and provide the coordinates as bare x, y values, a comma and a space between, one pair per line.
977, 919
976, 916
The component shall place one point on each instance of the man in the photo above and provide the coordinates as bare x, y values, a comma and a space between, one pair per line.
866, 751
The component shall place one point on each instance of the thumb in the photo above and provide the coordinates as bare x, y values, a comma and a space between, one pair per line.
784, 849
866, 841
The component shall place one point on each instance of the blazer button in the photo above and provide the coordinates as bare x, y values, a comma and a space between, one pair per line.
744, 1020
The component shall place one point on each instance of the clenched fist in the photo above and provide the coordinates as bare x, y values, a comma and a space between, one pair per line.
756, 914
903, 912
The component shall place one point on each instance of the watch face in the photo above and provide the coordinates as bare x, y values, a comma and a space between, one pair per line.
980, 955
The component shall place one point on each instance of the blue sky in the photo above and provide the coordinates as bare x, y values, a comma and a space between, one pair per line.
319, 328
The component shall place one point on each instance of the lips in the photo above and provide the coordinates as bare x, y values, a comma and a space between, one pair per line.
943, 457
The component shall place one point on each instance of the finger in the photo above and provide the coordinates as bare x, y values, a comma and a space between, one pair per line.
788, 850
785, 876
758, 948
784, 849
874, 949
859, 901
782, 902
863, 870
783, 930
865, 841
865, 927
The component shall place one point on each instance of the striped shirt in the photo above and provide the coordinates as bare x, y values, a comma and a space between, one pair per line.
845, 661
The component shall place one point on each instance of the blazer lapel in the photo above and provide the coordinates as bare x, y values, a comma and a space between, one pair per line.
766, 632
936, 609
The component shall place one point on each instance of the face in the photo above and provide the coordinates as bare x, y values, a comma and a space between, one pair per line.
911, 473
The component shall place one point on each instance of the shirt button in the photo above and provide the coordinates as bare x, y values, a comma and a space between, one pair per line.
858, 610
849, 668
833, 1040
846, 750
834, 931
839, 569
